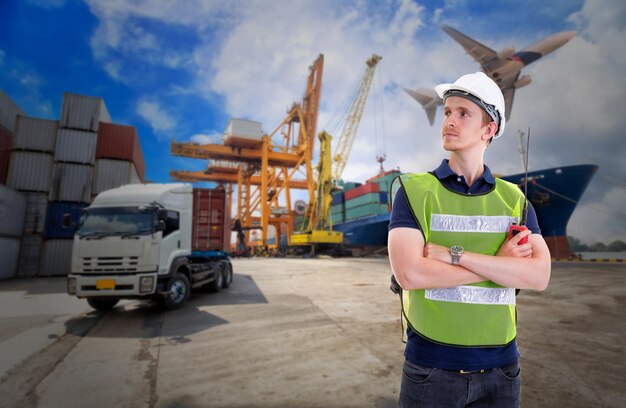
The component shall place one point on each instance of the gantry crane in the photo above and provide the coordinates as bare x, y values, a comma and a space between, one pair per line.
265, 171
331, 166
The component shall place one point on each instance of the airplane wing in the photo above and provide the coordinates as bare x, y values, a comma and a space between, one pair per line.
481, 53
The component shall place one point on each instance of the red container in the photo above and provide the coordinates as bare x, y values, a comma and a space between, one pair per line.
120, 142
211, 220
6, 142
362, 190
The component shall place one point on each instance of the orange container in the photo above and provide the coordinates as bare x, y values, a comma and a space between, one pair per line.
211, 220
362, 190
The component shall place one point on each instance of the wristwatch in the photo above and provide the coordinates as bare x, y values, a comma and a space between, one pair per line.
455, 253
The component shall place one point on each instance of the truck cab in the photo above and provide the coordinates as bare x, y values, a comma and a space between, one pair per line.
135, 242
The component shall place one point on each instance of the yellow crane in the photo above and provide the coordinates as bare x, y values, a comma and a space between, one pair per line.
330, 168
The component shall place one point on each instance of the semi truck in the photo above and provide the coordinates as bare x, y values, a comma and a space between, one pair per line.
150, 241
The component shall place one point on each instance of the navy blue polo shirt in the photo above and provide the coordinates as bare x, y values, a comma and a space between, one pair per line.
422, 351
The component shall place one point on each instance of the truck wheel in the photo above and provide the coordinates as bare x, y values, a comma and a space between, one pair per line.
103, 304
177, 293
228, 274
218, 282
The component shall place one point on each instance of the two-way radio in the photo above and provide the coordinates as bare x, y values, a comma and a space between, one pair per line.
515, 229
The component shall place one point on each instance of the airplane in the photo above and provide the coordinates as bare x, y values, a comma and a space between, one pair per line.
503, 67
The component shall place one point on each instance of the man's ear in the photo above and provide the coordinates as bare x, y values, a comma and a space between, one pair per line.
490, 130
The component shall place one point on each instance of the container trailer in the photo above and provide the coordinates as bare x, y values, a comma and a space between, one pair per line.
150, 241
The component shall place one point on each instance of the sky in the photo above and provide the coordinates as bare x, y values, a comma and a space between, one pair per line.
179, 70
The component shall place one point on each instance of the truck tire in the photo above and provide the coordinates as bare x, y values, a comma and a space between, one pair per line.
217, 283
228, 274
177, 293
103, 304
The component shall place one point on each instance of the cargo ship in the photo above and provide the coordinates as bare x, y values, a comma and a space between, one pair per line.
361, 211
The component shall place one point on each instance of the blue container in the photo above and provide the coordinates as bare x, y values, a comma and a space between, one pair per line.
384, 197
54, 219
338, 198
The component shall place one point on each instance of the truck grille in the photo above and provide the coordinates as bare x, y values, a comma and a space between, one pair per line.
110, 264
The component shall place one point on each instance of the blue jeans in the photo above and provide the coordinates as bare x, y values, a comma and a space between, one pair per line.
432, 387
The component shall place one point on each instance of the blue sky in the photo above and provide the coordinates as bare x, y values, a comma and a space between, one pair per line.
178, 70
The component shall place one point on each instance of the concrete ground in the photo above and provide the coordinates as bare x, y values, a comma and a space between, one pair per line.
291, 333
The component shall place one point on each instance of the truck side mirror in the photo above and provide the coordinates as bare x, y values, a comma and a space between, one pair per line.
160, 226
67, 221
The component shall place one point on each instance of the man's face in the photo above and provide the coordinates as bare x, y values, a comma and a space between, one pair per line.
463, 127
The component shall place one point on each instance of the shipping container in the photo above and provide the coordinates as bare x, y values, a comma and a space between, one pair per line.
8, 112
370, 198
6, 145
36, 208
71, 182
75, 146
12, 213
211, 221
366, 211
243, 132
9, 254
338, 198
56, 257
110, 174
38, 135
361, 190
121, 142
54, 219
30, 251
30, 171
83, 112
384, 180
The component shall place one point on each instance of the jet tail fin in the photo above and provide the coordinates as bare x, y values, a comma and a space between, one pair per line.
429, 100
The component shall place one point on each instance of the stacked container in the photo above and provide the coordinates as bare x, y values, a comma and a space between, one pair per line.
119, 159
57, 167
72, 177
12, 212
30, 172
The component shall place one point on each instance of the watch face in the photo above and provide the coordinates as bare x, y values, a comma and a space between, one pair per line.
456, 249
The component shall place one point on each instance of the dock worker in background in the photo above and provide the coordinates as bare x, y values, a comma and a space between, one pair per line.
450, 255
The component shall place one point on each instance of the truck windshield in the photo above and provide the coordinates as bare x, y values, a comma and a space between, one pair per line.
101, 222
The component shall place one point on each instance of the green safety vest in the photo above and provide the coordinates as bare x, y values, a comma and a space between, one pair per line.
476, 315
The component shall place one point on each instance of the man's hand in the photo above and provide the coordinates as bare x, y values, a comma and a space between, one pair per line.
512, 248
438, 252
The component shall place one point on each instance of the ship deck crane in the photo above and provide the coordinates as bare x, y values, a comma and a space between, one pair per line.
331, 167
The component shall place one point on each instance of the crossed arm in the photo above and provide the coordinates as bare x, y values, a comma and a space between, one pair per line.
417, 265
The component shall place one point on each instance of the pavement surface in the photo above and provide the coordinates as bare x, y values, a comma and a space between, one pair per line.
291, 333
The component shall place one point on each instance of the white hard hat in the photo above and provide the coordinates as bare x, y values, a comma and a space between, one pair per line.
481, 90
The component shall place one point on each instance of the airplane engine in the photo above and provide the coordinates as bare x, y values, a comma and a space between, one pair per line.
506, 53
522, 82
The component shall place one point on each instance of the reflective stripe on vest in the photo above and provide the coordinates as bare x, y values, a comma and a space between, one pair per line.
481, 314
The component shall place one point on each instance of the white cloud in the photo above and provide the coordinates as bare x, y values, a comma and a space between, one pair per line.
202, 138
157, 118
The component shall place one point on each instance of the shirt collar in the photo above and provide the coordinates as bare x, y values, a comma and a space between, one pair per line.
444, 171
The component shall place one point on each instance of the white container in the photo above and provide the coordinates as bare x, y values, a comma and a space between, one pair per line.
71, 182
56, 257
83, 112
12, 213
243, 132
30, 251
35, 134
30, 171
110, 174
75, 146
36, 209
8, 111
9, 254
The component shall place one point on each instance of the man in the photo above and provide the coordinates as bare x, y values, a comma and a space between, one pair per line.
449, 252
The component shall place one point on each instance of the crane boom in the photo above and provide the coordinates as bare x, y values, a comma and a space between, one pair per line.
344, 145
